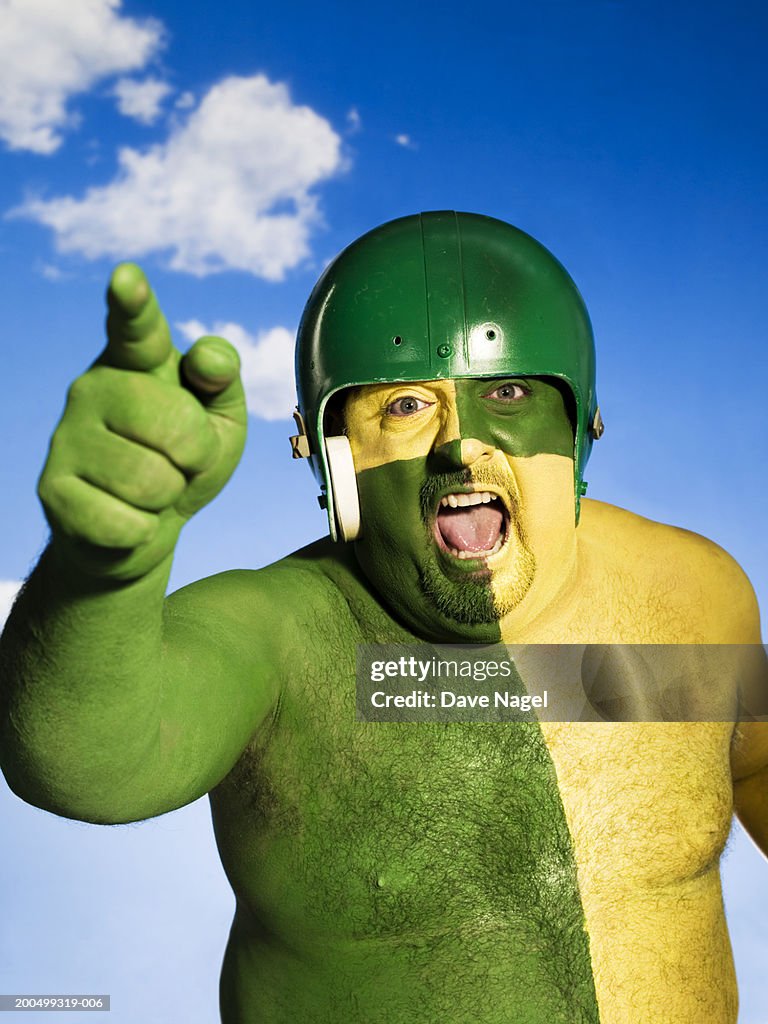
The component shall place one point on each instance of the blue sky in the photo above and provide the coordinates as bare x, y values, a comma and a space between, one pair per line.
233, 150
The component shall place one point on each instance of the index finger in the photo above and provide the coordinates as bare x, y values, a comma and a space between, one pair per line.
138, 337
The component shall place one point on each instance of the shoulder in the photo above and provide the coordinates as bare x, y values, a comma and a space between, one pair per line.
278, 591
316, 594
690, 578
317, 589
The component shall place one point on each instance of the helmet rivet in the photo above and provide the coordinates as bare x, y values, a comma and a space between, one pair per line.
444, 351
490, 334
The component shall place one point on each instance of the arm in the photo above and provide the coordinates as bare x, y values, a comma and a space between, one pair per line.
749, 747
750, 790
113, 708
728, 622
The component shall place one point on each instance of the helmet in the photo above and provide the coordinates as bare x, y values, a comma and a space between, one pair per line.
431, 296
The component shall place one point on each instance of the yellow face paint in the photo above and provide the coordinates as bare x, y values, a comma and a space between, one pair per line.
378, 436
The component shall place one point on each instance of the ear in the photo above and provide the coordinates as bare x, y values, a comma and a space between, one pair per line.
342, 482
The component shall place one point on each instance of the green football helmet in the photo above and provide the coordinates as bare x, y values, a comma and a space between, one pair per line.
431, 296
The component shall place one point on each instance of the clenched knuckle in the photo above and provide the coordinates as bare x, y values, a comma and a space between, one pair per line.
44, 489
52, 491
150, 490
59, 444
79, 389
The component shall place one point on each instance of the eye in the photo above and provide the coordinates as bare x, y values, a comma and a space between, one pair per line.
509, 391
407, 406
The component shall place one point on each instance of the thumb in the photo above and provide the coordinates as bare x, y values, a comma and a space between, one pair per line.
211, 370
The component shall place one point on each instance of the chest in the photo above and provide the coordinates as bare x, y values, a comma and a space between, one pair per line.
386, 827
648, 804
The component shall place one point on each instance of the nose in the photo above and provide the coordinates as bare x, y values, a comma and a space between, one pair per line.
461, 453
450, 451
474, 451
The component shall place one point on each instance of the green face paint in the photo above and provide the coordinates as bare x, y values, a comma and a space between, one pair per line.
448, 477
399, 555
521, 416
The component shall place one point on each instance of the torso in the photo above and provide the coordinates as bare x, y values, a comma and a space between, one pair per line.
492, 873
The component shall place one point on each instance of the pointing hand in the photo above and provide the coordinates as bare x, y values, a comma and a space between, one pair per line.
146, 439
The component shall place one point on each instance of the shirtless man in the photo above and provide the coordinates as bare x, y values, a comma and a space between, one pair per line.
519, 873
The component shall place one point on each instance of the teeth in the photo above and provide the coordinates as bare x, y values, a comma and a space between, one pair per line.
462, 500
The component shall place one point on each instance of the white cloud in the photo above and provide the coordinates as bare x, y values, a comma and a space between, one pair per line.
51, 272
354, 121
266, 365
141, 100
51, 50
228, 190
8, 591
405, 141
185, 101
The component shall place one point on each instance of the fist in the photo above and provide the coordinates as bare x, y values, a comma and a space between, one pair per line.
146, 439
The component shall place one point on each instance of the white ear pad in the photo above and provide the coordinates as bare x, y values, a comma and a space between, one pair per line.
343, 484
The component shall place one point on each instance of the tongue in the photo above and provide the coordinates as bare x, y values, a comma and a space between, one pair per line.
472, 528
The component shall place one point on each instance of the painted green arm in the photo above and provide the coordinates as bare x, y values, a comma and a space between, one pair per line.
113, 707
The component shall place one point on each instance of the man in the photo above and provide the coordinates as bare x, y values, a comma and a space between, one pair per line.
532, 871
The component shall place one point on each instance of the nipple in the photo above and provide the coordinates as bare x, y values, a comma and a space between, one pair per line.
395, 877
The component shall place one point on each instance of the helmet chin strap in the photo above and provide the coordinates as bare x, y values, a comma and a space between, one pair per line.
343, 487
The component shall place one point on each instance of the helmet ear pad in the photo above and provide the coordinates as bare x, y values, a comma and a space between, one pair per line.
342, 484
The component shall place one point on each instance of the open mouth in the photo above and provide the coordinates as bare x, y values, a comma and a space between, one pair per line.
471, 524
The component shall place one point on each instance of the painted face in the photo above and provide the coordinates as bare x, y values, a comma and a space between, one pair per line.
466, 494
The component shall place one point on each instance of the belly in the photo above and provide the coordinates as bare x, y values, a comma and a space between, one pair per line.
562, 872
465, 976
435, 858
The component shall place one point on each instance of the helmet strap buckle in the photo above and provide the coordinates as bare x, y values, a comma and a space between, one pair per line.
597, 427
300, 441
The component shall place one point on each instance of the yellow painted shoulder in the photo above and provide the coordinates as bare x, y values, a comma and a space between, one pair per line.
699, 590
